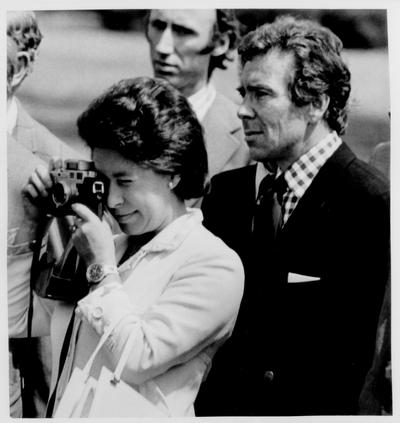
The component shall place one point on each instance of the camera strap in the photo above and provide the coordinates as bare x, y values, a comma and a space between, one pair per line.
63, 357
35, 268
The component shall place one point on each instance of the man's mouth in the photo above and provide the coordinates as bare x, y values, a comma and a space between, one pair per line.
252, 133
164, 68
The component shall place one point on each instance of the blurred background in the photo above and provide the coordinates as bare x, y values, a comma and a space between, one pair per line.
84, 52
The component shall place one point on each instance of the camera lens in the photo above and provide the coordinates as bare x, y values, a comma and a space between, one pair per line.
61, 194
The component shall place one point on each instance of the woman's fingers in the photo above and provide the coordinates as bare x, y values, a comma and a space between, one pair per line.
84, 213
55, 163
44, 175
30, 191
40, 183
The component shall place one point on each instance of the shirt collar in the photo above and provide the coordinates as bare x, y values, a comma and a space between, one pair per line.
301, 173
12, 115
201, 100
170, 238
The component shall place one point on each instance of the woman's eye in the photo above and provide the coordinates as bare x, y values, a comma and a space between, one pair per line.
124, 182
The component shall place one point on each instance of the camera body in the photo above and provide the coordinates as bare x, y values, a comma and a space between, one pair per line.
76, 182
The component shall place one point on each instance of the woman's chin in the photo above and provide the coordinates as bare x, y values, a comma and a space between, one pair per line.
130, 229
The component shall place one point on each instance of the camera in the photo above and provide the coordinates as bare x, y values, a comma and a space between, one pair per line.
76, 182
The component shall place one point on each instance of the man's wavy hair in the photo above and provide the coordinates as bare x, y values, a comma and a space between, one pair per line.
226, 23
319, 66
12, 61
151, 123
23, 28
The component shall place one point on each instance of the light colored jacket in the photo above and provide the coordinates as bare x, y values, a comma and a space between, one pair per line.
224, 136
180, 296
31, 144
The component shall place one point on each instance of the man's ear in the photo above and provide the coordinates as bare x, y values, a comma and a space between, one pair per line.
24, 67
318, 108
221, 45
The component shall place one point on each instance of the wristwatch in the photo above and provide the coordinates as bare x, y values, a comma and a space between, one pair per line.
96, 272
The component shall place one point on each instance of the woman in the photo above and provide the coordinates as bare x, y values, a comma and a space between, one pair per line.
177, 287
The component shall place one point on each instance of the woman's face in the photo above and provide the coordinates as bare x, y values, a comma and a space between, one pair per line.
140, 199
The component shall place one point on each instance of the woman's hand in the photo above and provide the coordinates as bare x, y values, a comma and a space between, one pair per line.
36, 191
92, 237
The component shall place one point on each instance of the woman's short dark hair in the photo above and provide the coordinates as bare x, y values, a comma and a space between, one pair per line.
319, 67
149, 122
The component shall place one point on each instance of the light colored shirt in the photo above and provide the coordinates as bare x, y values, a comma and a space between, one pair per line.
202, 100
12, 114
300, 174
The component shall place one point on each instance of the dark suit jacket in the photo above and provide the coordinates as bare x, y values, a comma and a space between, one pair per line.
302, 348
380, 158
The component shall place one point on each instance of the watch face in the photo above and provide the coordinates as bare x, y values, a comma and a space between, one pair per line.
95, 272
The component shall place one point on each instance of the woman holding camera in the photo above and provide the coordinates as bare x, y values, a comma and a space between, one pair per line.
165, 281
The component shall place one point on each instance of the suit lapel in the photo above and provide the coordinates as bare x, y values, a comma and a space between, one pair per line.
326, 182
220, 128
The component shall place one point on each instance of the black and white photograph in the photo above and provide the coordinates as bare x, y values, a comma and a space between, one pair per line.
201, 212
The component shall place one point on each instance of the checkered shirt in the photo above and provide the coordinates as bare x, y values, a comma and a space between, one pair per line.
301, 173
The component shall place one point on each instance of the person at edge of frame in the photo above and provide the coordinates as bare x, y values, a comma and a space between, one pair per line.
30, 143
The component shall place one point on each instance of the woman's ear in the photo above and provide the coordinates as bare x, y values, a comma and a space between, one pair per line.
221, 45
175, 179
318, 108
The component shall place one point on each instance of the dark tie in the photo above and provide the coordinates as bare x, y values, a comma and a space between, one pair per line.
268, 210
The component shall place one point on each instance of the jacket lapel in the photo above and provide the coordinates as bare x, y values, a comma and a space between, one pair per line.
221, 131
326, 182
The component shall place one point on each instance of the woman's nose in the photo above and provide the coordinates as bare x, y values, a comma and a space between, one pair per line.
114, 198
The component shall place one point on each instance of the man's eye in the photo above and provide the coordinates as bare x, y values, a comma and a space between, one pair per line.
241, 91
260, 94
159, 25
181, 30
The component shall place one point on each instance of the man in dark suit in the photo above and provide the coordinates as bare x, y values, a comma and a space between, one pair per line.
316, 274
186, 46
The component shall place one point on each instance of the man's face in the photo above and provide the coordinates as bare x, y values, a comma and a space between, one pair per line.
273, 125
177, 40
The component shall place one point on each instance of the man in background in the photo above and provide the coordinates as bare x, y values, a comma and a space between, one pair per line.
186, 46
311, 224
28, 144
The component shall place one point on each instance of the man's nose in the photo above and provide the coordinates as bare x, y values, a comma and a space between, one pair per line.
165, 44
245, 111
